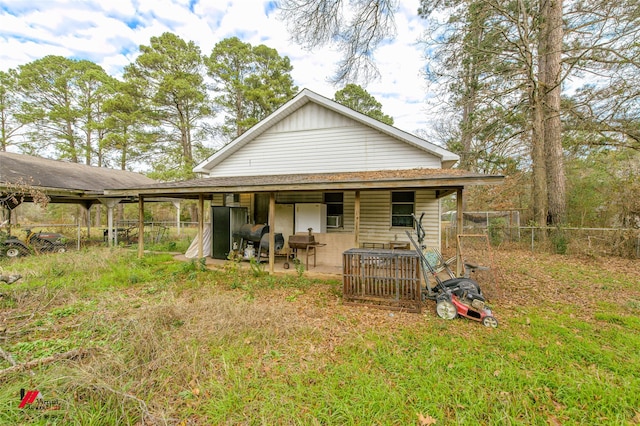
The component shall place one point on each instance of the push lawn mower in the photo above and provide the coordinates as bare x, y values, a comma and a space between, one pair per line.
454, 296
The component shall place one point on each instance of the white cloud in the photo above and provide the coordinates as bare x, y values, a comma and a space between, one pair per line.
109, 34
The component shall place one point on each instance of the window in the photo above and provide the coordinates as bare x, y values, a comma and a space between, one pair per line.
335, 208
402, 208
232, 200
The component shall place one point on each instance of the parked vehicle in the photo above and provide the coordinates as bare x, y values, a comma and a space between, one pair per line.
46, 242
11, 246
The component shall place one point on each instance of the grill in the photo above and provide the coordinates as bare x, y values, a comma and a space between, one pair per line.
306, 242
258, 237
301, 241
253, 233
279, 242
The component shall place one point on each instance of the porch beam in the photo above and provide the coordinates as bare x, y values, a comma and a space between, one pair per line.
178, 205
200, 225
459, 230
442, 184
356, 218
272, 232
140, 227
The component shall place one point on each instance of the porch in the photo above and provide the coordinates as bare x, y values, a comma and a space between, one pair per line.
368, 204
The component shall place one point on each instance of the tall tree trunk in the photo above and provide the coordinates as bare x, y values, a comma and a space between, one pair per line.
88, 148
539, 181
552, 36
472, 45
540, 187
3, 130
466, 125
71, 141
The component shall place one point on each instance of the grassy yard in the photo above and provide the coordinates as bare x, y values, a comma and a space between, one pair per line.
156, 341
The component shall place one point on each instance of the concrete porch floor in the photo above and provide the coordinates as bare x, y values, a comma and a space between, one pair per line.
319, 271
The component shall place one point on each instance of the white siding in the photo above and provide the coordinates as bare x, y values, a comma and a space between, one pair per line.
322, 148
375, 218
312, 116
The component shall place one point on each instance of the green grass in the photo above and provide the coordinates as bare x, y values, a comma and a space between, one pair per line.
175, 343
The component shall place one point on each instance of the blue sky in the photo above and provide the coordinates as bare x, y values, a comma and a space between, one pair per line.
109, 33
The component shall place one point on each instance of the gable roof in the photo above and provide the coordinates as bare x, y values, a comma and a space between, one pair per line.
446, 157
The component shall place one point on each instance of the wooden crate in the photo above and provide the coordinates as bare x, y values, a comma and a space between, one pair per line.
382, 278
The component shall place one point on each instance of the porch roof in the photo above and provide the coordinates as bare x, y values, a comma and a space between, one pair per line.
439, 179
62, 182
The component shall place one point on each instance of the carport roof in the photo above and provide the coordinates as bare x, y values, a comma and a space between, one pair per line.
64, 182
440, 179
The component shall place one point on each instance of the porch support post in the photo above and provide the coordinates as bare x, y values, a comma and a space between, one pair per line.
110, 203
356, 218
87, 207
272, 232
140, 227
110, 235
459, 230
200, 225
177, 205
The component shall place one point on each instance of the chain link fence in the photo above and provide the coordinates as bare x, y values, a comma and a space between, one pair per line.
76, 237
620, 242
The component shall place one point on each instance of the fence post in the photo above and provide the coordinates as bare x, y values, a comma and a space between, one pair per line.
533, 230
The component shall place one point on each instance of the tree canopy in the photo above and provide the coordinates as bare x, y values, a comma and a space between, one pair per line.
169, 75
162, 111
250, 83
358, 99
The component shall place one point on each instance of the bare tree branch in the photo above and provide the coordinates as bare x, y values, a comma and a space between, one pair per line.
356, 29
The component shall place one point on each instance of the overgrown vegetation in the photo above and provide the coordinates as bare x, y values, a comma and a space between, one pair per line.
159, 341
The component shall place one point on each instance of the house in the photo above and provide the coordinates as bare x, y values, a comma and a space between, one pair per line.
365, 178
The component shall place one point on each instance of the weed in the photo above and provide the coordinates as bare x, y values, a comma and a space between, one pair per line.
293, 297
256, 268
634, 304
40, 348
195, 265
560, 241
299, 267
496, 229
65, 311
232, 265
151, 290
